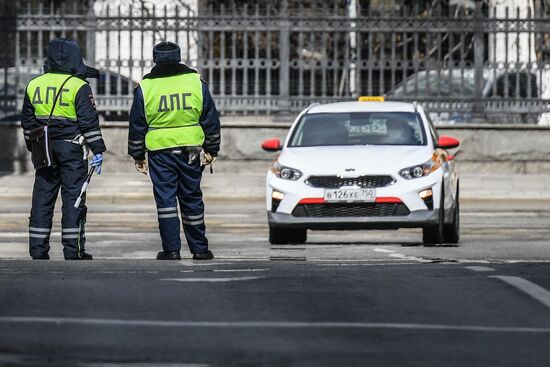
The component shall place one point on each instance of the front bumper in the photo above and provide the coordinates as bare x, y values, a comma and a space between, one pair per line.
416, 219
406, 190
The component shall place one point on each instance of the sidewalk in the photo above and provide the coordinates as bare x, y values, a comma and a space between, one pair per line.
246, 180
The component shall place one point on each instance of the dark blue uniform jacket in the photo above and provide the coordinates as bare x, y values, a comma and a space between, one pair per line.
209, 121
66, 59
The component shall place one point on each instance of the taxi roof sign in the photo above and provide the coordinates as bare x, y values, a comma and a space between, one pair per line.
371, 99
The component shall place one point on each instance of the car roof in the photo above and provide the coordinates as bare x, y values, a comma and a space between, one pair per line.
362, 107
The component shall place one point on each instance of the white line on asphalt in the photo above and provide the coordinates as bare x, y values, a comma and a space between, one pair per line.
411, 258
15, 272
467, 261
211, 280
140, 364
272, 324
479, 268
400, 256
530, 288
25, 234
237, 270
502, 214
388, 263
229, 215
198, 263
224, 270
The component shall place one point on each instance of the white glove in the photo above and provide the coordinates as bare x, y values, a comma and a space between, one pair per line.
141, 166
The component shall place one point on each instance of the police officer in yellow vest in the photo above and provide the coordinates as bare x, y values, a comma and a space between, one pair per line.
74, 121
173, 118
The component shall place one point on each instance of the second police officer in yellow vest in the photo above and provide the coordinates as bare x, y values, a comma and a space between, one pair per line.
173, 118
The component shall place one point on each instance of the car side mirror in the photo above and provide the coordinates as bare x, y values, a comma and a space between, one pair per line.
272, 145
447, 142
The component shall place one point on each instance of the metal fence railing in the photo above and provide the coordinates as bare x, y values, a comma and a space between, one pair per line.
467, 61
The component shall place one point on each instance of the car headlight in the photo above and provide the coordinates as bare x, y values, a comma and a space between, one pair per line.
286, 173
420, 170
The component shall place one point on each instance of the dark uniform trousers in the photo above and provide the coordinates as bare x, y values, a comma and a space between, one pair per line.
68, 172
175, 180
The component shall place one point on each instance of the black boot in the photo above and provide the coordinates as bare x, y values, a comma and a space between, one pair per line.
83, 256
208, 255
169, 255
42, 257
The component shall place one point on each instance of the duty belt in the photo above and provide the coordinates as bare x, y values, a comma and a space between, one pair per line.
192, 152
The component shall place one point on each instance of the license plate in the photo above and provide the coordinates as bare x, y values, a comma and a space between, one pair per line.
350, 195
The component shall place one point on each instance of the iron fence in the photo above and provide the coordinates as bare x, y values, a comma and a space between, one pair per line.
275, 58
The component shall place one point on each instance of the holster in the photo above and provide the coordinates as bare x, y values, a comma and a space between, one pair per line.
41, 147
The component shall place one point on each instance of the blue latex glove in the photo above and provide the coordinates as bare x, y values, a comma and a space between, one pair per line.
97, 161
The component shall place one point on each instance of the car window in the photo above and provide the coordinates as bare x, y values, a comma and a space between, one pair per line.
359, 128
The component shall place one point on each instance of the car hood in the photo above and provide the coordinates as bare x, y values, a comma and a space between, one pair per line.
353, 161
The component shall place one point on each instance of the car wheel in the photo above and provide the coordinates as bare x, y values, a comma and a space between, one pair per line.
433, 235
282, 236
451, 231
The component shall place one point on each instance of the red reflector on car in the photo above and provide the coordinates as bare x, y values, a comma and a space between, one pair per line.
312, 201
388, 200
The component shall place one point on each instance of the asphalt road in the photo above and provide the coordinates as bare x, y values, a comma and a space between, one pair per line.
343, 299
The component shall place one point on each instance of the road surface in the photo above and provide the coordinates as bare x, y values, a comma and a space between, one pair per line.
343, 299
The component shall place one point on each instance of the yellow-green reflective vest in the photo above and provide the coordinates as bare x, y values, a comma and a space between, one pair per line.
43, 89
173, 107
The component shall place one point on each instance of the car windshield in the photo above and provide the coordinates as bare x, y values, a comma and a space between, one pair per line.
359, 128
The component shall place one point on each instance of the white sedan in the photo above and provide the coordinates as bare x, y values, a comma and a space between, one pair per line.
362, 165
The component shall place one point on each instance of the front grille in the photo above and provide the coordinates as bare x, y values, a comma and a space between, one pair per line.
351, 210
335, 182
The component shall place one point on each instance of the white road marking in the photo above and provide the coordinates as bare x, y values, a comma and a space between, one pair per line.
400, 256
410, 258
211, 280
25, 234
141, 364
388, 263
467, 261
271, 324
237, 270
503, 214
530, 288
224, 270
479, 268
199, 263
231, 215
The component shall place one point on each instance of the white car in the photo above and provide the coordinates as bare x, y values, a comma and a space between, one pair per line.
363, 165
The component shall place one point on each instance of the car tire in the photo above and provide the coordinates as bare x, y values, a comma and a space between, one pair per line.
433, 235
283, 236
451, 231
